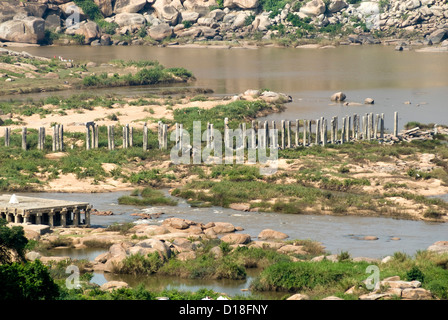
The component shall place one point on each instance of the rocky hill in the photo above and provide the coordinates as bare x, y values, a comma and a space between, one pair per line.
126, 22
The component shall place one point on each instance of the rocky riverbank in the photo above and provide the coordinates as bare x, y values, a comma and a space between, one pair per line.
180, 243
236, 22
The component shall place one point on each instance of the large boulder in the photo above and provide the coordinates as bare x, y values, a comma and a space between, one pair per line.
223, 227
113, 285
336, 5
177, 223
236, 238
73, 11
25, 30
314, 8
160, 32
338, 97
129, 19
190, 16
158, 245
52, 21
168, 10
242, 4
269, 234
437, 36
129, 6
89, 30
439, 247
262, 22
105, 7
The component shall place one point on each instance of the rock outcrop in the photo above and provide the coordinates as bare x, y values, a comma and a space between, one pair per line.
26, 30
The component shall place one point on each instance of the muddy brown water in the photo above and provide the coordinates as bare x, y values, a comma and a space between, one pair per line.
309, 76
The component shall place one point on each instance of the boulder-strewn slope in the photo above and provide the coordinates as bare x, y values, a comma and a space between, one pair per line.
105, 22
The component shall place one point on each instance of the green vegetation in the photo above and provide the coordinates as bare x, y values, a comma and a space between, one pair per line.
12, 240
236, 112
146, 196
145, 76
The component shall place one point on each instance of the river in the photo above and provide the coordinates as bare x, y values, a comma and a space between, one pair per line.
309, 76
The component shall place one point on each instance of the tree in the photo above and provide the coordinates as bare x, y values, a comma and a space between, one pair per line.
27, 281
11, 239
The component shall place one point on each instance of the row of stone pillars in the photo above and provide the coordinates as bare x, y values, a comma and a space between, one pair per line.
354, 127
58, 138
367, 127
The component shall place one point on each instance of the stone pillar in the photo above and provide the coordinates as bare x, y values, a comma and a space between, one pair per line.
288, 133
318, 130
24, 145
61, 137
336, 128
274, 138
347, 129
375, 127
38, 218
244, 135
253, 138
305, 132
324, 136
87, 215
159, 133
282, 129
7, 136
55, 138
395, 124
343, 128
364, 128
41, 139
226, 133
51, 218
382, 126
309, 132
266, 134
297, 132
369, 127
76, 217
145, 137
88, 138
63, 217
96, 132
261, 139
332, 128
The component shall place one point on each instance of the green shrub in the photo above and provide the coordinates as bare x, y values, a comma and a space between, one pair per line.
27, 281
415, 274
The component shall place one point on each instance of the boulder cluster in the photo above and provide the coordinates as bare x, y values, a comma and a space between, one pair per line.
27, 21
182, 238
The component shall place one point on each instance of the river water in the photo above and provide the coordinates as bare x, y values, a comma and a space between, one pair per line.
310, 76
